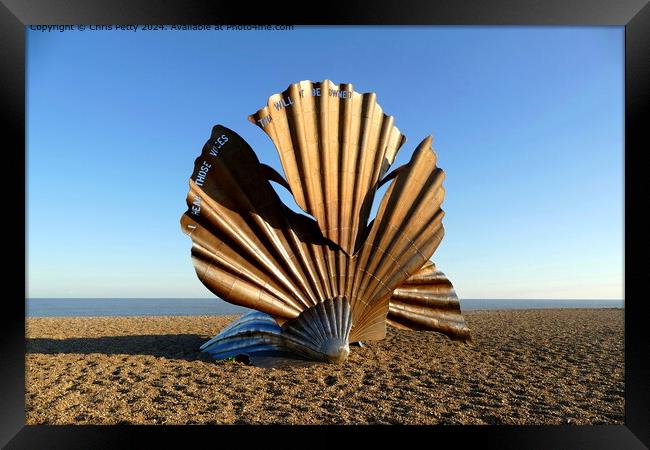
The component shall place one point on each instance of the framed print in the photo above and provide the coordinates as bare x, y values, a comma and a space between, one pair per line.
252, 219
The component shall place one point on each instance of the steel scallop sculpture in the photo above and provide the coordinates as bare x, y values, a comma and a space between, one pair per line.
316, 284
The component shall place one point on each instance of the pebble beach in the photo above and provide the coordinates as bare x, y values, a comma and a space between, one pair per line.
546, 366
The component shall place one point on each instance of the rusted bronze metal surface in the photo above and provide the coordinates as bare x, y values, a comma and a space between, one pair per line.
335, 146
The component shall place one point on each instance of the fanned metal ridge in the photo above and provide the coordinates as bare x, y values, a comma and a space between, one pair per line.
248, 248
403, 236
335, 273
427, 301
335, 144
318, 334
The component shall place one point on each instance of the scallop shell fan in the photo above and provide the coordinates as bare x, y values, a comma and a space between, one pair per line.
317, 284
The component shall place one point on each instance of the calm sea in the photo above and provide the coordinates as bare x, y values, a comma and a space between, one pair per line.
61, 307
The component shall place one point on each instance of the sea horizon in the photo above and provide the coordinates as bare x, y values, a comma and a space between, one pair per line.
152, 306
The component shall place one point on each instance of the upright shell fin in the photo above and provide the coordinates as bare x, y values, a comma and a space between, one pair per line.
248, 248
403, 236
427, 301
335, 145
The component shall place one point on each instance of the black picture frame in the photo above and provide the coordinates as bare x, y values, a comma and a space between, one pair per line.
633, 14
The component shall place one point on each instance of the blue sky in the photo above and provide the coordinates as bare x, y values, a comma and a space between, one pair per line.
528, 125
